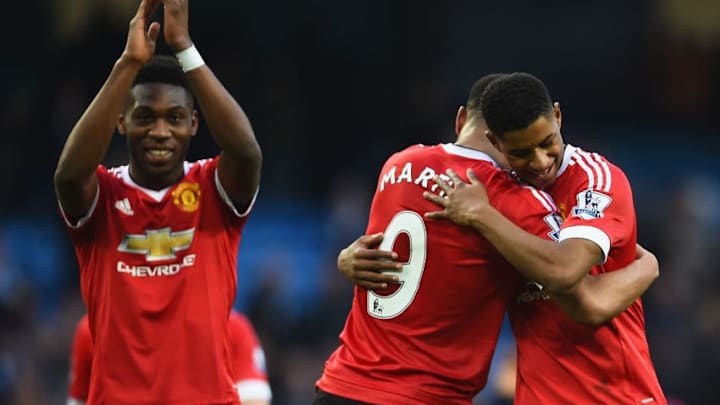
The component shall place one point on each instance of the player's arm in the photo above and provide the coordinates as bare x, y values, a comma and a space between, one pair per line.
240, 161
255, 402
75, 179
365, 265
598, 298
557, 266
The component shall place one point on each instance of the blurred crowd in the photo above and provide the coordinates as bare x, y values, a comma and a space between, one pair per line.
332, 88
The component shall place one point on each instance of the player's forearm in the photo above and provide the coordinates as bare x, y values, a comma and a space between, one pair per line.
599, 298
556, 266
256, 402
226, 120
90, 138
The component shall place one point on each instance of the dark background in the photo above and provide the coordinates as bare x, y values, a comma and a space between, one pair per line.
333, 88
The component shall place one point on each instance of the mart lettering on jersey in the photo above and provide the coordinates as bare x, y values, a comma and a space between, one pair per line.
418, 175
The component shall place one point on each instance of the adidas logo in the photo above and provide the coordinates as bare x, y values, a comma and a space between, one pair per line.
124, 207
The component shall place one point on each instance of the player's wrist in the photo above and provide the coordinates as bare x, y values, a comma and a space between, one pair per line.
190, 58
126, 59
482, 217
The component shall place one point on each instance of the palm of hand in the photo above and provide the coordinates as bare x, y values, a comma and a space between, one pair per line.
175, 29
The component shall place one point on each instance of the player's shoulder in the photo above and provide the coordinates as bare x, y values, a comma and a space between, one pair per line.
115, 172
238, 318
513, 197
200, 165
412, 152
239, 324
82, 329
83, 322
593, 170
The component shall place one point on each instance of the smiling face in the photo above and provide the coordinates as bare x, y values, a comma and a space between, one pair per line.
158, 121
535, 152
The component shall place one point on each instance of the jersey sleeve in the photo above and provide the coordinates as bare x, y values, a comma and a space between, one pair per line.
209, 169
80, 362
77, 223
248, 360
604, 212
531, 209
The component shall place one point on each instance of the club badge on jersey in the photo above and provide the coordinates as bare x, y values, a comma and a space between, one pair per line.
186, 196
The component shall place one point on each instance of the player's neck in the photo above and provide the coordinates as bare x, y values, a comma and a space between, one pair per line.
155, 181
477, 140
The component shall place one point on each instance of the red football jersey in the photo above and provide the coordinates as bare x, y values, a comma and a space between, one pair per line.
431, 340
80, 363
562, 361
247, 355
248, 359
158, 276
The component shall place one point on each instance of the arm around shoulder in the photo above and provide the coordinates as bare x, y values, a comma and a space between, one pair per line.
599, 298
559, 267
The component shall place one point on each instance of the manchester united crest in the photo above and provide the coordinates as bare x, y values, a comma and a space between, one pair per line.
187, 196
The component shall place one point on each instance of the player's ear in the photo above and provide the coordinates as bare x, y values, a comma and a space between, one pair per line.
121, 128
494, 139
460, 119
557, 113
195, 122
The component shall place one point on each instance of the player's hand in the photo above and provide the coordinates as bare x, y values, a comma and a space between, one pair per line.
462, 202
143, 33
363, 264
175, 30
647, 259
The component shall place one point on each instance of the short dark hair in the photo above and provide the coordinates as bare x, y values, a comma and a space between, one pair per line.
514, 101
163, 69
477, 90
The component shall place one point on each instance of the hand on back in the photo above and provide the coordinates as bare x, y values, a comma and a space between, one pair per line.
364, 264
462, 202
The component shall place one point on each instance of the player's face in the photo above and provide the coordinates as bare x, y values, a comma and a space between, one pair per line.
535, 153
158, 124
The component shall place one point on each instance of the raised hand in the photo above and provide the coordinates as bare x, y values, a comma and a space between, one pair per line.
142, 34
462, 202
365, 265
176, 30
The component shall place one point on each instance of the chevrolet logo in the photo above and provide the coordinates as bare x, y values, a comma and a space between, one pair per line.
158, 244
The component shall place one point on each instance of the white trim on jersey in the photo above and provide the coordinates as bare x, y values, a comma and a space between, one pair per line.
590, 233
226, 198
156, 195
606, 169
567, 159
80, 222
588, 171
454, 149
74, 401
597, 170
254, 390
545, 199
594, 166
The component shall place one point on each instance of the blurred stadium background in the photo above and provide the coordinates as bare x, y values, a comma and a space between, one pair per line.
334, 87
